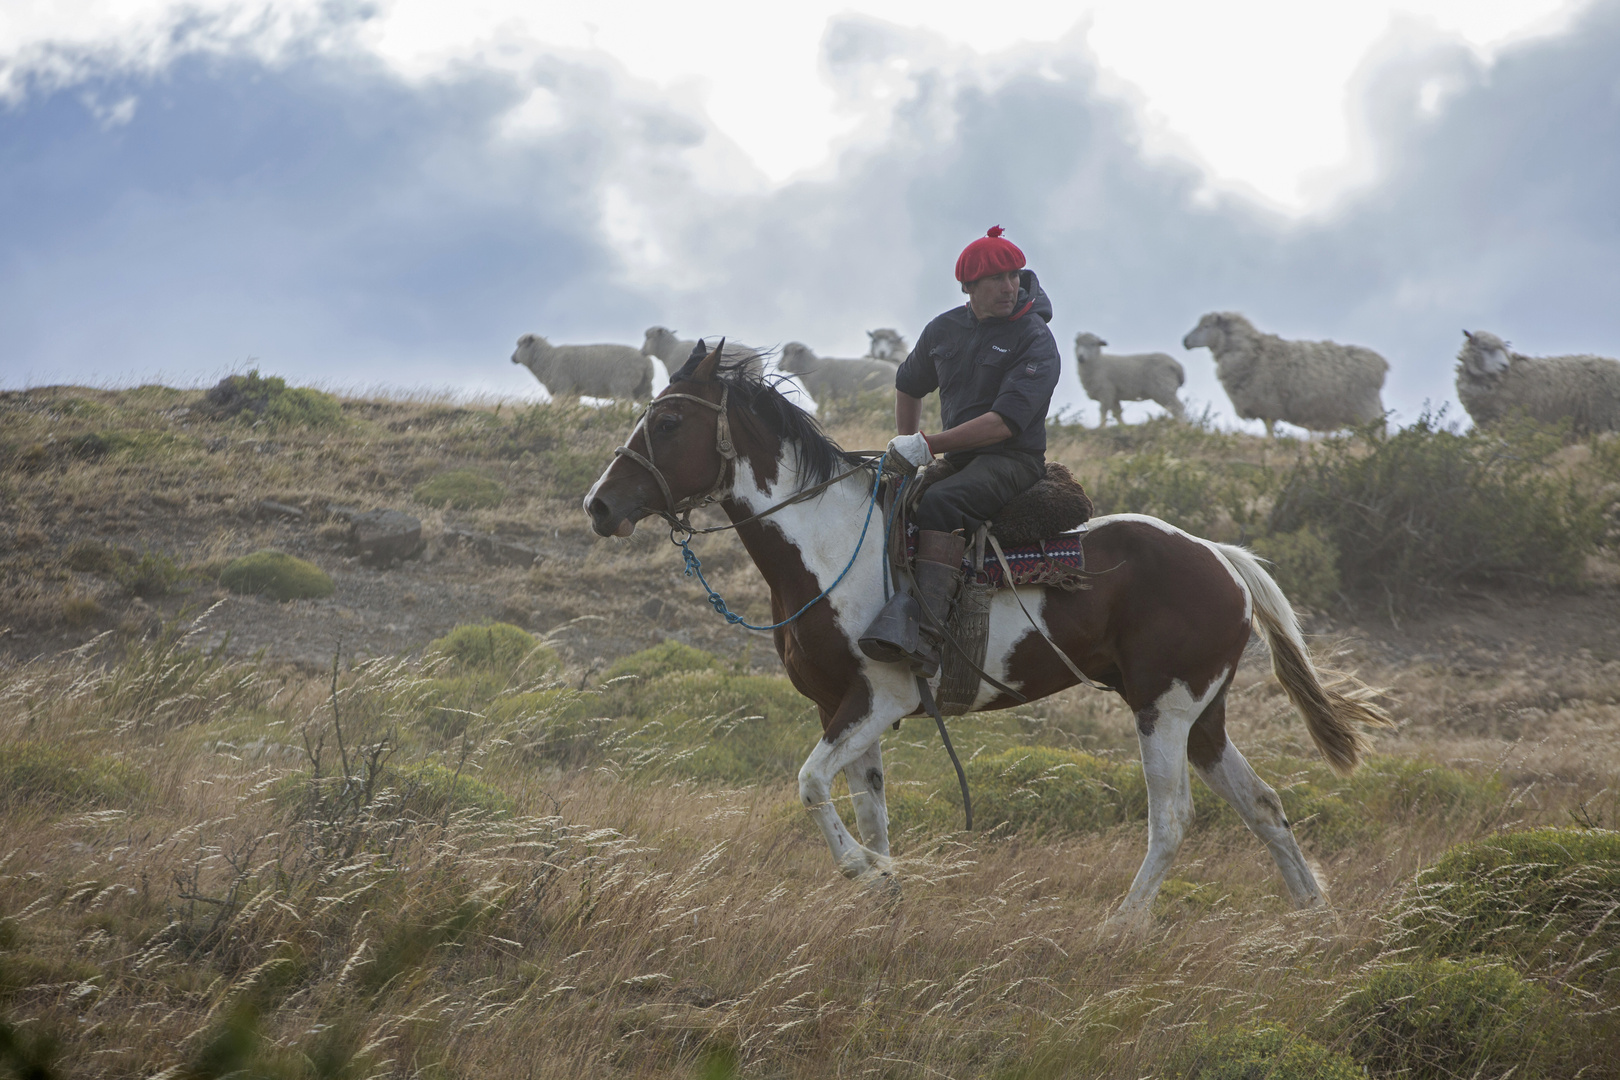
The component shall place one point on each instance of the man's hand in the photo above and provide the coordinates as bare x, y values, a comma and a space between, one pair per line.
910, 452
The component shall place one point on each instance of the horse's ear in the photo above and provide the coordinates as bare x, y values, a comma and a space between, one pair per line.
706, 367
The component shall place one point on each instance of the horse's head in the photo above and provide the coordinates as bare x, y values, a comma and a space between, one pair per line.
676, 457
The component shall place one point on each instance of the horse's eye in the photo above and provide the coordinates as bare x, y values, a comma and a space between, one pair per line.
669, 422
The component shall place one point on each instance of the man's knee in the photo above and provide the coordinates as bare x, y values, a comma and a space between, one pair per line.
937, 511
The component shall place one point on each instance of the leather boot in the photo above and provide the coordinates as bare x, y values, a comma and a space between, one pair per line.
903, 630
939, 575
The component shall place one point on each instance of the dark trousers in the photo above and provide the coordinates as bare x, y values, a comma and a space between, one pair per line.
977, 491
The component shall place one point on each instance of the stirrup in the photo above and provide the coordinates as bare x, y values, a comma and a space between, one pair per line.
895, 637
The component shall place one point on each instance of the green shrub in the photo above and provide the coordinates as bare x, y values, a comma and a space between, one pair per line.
153, 573
57, 776
1043, 789
300, 406
89, 445
1261, 1052
92, 557
549, 725
460, 489
433, 791
1188, 494
149, 574
499, 648
572, 473
277, 575
1336, 812
709, 725
409, 944
80, 611
665, 658
1305, 564
147, 444
1545, 897
271, 399
1430, 507
1437, 1020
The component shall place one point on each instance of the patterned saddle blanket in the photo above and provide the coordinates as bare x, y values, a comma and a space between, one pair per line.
1058, 561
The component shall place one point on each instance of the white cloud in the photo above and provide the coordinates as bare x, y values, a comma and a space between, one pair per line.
1255, 90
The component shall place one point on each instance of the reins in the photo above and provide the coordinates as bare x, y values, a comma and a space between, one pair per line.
679, 514
728, 454
694, 568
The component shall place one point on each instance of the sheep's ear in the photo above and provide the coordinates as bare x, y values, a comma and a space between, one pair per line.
1468, 335
1100, 342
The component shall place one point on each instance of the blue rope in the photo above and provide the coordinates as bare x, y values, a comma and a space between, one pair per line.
718, 602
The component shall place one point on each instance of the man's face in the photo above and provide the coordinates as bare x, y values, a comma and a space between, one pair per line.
994, 296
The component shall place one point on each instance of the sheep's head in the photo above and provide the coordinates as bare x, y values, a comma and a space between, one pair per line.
797, 359
886, 344
1211, 331
1484, 355
658, 339
1087, 347
529, 347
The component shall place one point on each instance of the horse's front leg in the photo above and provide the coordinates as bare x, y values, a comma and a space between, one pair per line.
857, 739
865, 777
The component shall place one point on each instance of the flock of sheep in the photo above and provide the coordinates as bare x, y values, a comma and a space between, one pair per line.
1316, 385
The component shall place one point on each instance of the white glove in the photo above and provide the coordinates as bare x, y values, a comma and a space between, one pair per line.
911, 449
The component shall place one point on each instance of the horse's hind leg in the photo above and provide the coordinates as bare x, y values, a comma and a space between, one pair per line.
865, 776
1161, 731
1231, 777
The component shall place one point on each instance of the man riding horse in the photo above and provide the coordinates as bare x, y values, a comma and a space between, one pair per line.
995, 364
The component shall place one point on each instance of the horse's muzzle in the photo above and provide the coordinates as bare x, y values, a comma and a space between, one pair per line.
609, 520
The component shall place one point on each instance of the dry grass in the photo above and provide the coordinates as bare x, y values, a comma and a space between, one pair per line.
500, 874
623, 920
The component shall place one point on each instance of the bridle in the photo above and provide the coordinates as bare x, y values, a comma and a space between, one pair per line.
722, 442
679, 514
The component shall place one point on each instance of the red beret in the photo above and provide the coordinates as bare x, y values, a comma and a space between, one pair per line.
989, 254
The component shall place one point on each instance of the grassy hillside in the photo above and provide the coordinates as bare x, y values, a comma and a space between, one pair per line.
563, 839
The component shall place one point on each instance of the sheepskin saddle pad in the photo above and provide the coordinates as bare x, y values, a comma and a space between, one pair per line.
1056, 504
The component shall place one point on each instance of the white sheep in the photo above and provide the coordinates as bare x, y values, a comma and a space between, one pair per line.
1109, 380
674, 352
1494, 381
827, 378
1318, 385
886, 344
601, 371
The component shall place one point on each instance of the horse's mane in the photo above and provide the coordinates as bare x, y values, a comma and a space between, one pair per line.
764, 401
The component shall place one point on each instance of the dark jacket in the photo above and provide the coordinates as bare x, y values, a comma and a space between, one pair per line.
1007, 366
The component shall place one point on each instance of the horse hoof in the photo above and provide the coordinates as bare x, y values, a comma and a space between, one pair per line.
884, 885
1125, 926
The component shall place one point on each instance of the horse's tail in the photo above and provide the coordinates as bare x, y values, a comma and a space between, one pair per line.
1333, 711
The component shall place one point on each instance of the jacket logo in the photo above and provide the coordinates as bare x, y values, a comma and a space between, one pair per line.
1029, 369
999, 349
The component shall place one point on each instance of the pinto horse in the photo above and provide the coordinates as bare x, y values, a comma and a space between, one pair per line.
1164, 628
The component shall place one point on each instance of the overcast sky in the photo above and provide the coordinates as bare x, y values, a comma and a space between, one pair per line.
360, 196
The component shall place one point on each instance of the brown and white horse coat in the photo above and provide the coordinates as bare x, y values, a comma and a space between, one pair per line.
1164, 625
